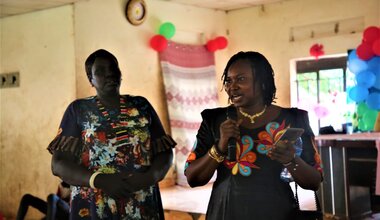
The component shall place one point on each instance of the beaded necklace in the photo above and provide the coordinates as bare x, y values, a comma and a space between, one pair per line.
118, 125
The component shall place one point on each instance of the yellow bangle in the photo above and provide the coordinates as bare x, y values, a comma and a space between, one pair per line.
213, 153
92, 179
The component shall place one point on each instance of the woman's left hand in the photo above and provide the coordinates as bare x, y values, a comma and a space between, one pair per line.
283, 151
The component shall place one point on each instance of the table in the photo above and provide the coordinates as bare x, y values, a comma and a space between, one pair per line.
349, 162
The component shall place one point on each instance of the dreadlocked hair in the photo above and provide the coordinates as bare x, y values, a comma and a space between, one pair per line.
262, 72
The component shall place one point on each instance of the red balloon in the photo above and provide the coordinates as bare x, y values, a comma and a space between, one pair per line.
158, 43
376, 47
316, 50
371, 34
212, 45
221, 42
364, 51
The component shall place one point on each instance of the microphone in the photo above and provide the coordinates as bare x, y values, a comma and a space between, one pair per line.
231, 147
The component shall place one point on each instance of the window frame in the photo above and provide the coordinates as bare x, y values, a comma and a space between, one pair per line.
317, 65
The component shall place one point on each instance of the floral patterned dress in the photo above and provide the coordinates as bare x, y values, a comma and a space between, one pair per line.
251, 187
109, 142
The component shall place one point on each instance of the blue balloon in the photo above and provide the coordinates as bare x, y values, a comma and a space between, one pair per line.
352, 55
373, 101
365, 79
373, 89
377, 81
374, 64
348, 99
357, 65
358, 93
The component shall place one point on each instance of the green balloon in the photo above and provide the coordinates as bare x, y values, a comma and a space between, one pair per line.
369, 119
167, 30
361, 108
362, 126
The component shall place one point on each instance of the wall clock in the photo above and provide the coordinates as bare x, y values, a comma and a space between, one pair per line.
136, 11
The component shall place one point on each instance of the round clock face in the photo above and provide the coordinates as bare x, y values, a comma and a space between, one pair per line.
136, 11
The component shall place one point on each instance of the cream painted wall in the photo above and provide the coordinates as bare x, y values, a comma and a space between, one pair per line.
41, 47
268, 32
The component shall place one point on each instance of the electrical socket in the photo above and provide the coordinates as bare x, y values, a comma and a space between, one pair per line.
8, 80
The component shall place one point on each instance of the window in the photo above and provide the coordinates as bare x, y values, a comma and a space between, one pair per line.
321, 90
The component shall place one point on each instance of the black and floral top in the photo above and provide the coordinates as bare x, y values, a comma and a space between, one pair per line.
251, 187
108, 142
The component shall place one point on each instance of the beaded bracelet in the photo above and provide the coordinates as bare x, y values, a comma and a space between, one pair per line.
213, 153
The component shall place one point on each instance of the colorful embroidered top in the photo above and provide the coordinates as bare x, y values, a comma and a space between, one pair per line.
251, 187
109, 142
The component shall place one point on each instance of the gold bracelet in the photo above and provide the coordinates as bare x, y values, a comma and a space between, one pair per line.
215, 155
219, 160
92, 179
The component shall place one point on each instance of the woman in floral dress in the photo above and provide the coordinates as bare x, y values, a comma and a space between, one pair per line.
250, 185
111, 149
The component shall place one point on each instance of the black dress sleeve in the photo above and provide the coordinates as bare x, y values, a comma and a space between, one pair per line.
208, 134
309, 150
68, 138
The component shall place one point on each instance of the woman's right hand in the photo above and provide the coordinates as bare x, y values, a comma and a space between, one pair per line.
114, 185
229, 128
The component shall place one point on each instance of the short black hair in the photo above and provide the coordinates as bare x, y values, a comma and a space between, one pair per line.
262, 72
99, 53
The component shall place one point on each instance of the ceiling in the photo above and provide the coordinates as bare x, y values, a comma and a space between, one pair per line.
14, 7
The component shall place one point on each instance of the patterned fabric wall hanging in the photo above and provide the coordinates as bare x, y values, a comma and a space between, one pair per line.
190, 86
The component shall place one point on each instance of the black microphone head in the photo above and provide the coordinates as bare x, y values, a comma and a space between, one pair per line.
231, 153
231, 112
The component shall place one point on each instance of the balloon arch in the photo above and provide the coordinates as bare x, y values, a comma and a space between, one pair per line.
364, 62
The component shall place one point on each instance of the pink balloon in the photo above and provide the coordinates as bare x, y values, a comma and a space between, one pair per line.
321, 111
371, 34
364, 51
158, 43
212, 45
